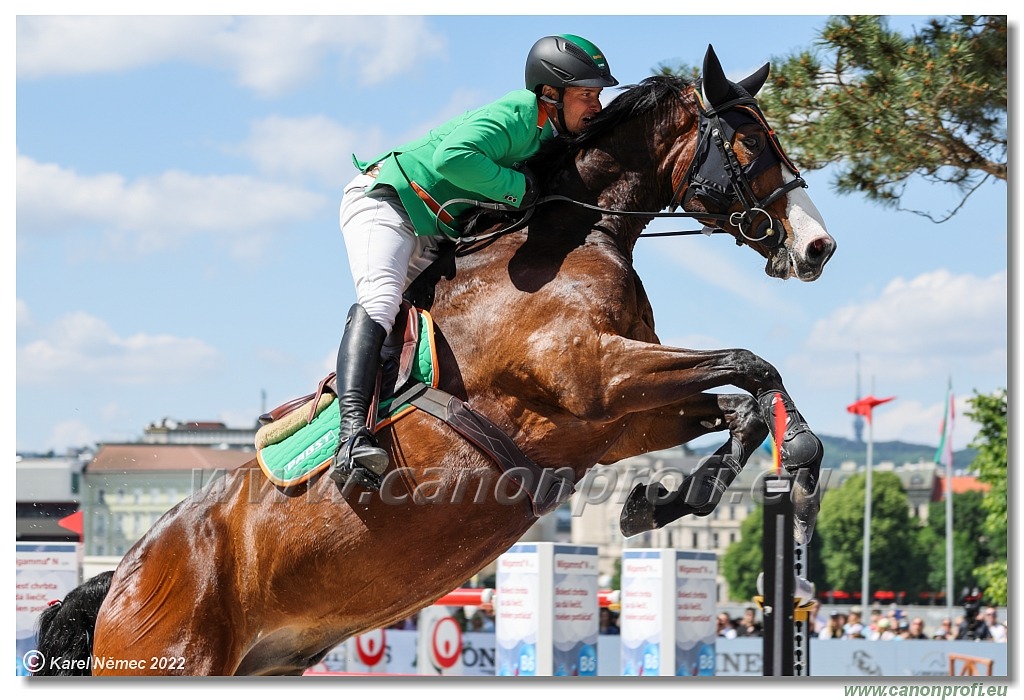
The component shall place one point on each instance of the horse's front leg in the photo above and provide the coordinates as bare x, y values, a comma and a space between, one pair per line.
641, 376
651, 506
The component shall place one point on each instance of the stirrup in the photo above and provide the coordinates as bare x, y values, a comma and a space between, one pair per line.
364, 464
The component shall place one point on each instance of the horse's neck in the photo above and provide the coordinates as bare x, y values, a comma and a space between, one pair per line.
632, 171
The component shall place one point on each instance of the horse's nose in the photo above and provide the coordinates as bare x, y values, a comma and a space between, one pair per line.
819, 251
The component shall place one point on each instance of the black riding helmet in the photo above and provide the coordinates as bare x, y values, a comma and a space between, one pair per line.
567, 60
562, 61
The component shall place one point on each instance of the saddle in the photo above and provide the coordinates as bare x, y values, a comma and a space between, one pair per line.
399, 361
298, 437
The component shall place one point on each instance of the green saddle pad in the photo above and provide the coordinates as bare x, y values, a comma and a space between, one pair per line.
308, 451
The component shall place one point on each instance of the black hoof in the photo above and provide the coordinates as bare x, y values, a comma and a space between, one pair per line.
637, 512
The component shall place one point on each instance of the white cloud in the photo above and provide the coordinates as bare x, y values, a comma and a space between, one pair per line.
70, 433
316, 146
923, 326
268, 54
156, 212
79, 346
23, 317
715, 268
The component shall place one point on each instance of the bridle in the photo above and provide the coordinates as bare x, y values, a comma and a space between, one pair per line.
715, 174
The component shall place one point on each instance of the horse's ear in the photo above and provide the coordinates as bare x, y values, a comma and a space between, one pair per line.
753, 82
716, 86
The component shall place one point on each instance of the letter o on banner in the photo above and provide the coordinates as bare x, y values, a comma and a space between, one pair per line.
446, 643
370, 648
440, 643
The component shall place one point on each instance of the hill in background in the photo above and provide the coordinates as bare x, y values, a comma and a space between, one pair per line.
839, 450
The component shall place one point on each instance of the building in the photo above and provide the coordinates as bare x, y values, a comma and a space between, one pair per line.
596, 508
129, 486
47, 489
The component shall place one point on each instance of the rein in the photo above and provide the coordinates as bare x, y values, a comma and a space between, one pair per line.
519, 223
725, 183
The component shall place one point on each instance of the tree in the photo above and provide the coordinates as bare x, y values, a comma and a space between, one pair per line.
989, 412
971, 547
744, 559
885, 109
898, 561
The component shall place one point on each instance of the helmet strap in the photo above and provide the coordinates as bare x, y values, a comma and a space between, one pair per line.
559, 105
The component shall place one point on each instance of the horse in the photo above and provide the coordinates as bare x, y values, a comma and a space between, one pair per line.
547, 333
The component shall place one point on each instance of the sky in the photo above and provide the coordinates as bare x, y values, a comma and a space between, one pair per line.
178, 253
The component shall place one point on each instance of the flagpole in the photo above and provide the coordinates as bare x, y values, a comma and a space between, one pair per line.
864, 407
865, 599
948, 440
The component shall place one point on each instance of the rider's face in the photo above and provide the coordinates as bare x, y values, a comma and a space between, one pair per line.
580, 106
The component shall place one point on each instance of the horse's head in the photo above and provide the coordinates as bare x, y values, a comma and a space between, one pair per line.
740, 173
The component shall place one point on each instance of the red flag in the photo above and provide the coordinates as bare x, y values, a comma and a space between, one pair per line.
863, 407
72, 522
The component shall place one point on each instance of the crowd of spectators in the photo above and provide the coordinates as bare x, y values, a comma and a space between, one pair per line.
895, 624
892, 624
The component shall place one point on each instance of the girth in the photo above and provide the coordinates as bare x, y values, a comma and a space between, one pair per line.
546, 488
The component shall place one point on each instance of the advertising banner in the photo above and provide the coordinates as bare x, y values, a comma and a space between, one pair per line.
546, 612
46, 571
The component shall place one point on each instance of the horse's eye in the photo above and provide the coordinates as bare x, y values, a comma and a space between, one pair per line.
754, 143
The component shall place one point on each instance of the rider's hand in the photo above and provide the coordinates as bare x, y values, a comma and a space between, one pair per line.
532, 192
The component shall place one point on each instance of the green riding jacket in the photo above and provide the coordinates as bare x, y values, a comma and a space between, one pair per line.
469, 157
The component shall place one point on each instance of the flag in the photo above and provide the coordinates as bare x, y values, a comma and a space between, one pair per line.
863, 407
780, 430
944, 453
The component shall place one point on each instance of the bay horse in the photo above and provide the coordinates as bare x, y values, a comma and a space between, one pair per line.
548, 333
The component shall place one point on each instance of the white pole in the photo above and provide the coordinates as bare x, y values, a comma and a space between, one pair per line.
949, 525
865, 599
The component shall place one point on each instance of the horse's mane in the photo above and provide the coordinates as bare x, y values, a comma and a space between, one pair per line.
633, 101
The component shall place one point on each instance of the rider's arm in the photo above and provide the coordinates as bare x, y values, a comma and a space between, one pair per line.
476, 155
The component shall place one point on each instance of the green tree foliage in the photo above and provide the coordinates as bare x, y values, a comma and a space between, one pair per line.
970, 543
898, 561
989, 412
744, 559
885, 109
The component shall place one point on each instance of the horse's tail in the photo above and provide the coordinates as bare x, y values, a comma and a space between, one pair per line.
66, 628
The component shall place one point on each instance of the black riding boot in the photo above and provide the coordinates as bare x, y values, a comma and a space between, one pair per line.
358, 453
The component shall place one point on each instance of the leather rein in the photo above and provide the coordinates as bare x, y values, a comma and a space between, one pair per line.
698, 180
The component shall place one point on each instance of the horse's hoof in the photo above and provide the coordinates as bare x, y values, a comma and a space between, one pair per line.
637, 512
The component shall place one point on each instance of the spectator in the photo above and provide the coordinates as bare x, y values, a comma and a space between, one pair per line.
834, 627
996, 628
726, 627
607, 622
945, 631
973, 627
883, 630
818, 620
748, 625
853, 629
916, 629
481, 622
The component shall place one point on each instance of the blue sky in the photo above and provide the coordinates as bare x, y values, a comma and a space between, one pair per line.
177, 242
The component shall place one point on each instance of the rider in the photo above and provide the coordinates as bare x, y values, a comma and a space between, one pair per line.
391, 215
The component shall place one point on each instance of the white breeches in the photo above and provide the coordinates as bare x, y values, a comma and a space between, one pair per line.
384, 253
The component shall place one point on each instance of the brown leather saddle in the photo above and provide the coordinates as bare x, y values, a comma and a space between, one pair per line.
546, 489
397, 358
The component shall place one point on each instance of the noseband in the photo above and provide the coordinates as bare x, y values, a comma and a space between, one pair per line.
716, 175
